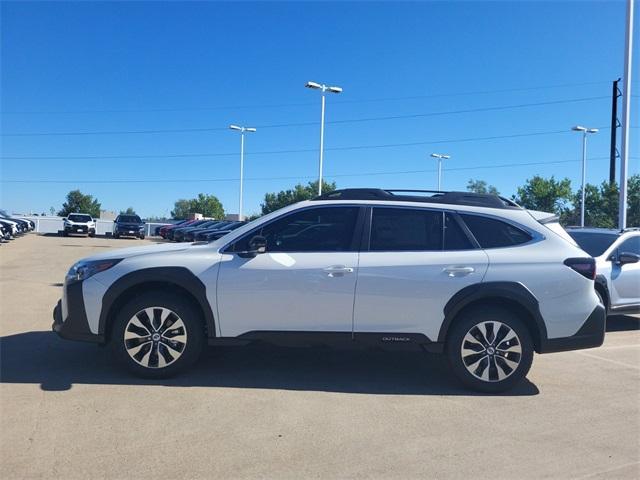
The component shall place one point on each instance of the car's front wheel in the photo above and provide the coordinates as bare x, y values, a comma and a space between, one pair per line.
157, 334
490, 349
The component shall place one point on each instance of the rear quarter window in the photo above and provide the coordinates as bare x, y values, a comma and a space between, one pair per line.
494, 233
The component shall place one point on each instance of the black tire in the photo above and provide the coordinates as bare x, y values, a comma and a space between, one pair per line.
142, 237
498, 355
116, 236
192, 338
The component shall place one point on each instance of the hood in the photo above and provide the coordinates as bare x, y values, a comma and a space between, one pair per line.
135, 251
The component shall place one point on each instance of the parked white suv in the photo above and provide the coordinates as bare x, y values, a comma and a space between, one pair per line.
79, 224
473, 276
617, 255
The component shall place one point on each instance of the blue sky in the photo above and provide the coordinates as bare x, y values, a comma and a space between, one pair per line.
122, 67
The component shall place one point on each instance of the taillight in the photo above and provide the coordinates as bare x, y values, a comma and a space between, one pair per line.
584, 266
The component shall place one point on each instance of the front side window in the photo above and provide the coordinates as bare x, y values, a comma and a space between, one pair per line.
398, 229
327, 229
630, 245
493, 233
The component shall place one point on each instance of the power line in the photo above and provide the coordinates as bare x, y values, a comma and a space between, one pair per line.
304, 124
285, 105
303, 150
338, 175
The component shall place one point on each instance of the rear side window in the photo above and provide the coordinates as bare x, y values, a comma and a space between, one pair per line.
492, 233
397, 229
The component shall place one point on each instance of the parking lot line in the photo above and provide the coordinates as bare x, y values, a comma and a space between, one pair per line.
623, 364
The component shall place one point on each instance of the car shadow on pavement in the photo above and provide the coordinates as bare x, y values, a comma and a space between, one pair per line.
55, 364
622, 323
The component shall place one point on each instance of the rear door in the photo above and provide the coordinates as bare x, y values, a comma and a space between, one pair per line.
414, 261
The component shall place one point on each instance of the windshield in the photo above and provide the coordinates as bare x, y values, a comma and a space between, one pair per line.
129, 219
594, 243
79, 218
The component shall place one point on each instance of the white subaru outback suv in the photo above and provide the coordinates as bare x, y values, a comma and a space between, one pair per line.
473, 276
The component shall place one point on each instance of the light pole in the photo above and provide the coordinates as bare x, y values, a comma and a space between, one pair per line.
323, 89
584, 131
241, 130
440, 157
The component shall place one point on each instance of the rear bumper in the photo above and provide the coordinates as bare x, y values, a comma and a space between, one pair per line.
590, 335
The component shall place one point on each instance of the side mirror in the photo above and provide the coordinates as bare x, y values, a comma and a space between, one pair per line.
627, 257
257, 245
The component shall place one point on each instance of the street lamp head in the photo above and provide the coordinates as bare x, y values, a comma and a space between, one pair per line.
235, 127
313, 85
250, 129
439, 155
578, 128
335, 89
592, 130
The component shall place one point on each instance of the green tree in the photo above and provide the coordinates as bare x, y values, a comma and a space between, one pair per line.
547, 195
79, 203
207, 205
276, 201
480, 186
128, 211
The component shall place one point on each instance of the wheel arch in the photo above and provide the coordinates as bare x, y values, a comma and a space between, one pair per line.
510, 295
603, 289
177, 280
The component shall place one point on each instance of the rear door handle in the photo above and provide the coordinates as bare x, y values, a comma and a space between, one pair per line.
337, 270
455, 271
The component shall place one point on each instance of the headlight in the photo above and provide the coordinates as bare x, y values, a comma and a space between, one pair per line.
83, 270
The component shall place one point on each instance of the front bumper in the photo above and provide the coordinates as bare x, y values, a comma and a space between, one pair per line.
590, 335
75, 326
128, 232
79, 229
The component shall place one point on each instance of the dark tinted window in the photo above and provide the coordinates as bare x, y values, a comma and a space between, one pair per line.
79, 218
492, 233
630, 245
327, 229
454, 236
397, 229
592, 242
128, 219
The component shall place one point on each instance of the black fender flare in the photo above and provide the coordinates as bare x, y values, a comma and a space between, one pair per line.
601, 281
514, 292
179, 276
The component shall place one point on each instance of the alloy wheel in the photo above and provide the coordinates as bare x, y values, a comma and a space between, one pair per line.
491, 351
155, 337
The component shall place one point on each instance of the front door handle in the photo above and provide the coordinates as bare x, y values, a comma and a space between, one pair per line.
337, 270
456, 271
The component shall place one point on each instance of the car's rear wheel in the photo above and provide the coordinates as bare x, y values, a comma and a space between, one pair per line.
490, 349
157, 334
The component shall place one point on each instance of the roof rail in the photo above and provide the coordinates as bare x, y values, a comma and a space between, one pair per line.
427, 196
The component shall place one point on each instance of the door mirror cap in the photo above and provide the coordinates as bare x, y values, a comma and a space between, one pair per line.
627, 257
257, 245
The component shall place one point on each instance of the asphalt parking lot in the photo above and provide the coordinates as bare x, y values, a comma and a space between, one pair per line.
264, 412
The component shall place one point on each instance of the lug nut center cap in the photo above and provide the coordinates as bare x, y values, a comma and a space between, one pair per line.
491, 350
155, 337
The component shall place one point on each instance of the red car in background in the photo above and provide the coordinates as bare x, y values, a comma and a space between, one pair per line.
183, 223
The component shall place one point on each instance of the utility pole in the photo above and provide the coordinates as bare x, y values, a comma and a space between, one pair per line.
626, 115
614, 130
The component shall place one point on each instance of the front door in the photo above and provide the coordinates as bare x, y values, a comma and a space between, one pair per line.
304, 282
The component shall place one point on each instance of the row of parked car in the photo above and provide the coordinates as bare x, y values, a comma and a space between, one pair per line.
12, 227
197, 230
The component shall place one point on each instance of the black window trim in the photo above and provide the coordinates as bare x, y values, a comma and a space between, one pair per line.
535, 235
356, 238
366, 238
